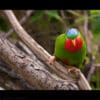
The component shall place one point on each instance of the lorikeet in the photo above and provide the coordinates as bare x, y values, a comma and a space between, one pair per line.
70, 48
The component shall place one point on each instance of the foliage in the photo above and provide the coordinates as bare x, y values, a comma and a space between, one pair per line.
51, 14
95, 21
3, 25
95, 80
37, 16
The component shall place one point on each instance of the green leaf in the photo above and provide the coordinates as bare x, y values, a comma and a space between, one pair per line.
53, 14
37, 16
94, 11
14, 36
94, 78
95, 21
3, 25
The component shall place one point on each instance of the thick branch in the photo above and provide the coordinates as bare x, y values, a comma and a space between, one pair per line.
34, 46
37, 49
9, 75
83, 84
10, 83
32, 70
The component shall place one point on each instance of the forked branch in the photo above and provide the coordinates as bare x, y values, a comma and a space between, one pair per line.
40, 52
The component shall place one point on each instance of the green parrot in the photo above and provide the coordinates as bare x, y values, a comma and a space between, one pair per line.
70, 48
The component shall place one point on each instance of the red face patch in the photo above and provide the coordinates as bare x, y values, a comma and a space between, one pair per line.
69, 45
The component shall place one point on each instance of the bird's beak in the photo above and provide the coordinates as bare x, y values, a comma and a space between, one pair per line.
74, 43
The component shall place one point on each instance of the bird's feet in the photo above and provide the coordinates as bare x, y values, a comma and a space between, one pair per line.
73, 69
74, 72
52, 60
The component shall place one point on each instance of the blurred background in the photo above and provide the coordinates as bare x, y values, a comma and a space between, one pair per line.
45, 25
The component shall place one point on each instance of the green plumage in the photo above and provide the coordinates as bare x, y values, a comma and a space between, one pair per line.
75, 58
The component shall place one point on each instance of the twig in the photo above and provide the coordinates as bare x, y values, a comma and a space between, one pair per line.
90, 73
91, 69
64, 17
22, 21
62, 14
24, 47
97, 65
86, 31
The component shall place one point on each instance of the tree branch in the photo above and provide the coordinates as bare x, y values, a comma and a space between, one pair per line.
39, 51
12, 76
86, 31
12, 83
34, 46
83, 84
31, 69
97, 65
63, 17
86, 34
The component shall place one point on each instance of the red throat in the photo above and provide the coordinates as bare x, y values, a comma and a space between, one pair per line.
69, 45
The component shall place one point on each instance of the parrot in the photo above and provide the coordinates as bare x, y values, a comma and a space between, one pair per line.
70, 48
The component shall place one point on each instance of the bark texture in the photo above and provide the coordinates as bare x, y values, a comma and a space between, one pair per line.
32, 69
37, 70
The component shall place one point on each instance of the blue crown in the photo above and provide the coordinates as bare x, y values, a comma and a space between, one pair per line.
72, 33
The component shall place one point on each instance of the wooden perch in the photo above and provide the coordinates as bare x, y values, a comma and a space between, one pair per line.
34, 46
41, 54
32, 69
83, 84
